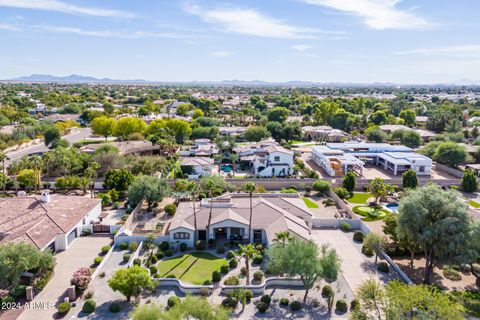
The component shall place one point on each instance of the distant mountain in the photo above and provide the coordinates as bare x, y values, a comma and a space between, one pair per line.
75, 78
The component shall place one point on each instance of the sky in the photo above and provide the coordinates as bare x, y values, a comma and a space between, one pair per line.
361, 41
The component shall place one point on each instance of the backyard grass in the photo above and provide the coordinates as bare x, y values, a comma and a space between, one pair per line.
195, 267
360, 197
474, 204
296, 141
309, 203
370, 213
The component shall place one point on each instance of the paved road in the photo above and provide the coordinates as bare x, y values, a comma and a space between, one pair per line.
74, 136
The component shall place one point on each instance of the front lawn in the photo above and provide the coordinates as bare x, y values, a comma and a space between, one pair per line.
309, 203
370, 213
474, 204
360, 197
195, 267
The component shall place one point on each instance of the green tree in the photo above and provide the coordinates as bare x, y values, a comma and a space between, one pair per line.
195, 308
408, 116
250, 188
282, 237
474, 251
131, 282
194, 189
438, 221
379, 188
376, 242
469, 181
103, 126
148, 188
256, 133
247, 252
304, 259
51, 136
410, 138
150, 311
26, 178
373, 300
321, 186
378, 117
118, 179
349, 181
212, 185
375, 134
409, 179
451, 154
125, 127
278, 114
3, 158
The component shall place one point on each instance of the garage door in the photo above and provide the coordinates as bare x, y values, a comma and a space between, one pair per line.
71, 236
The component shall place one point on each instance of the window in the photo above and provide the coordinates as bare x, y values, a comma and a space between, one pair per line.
421, 169
181, 235
276, 158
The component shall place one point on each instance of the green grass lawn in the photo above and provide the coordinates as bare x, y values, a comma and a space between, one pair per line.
360, 197
195, 267
474, 204
370, 213
296, 141
310, 204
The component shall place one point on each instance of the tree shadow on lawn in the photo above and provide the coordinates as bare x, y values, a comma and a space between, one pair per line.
102, 312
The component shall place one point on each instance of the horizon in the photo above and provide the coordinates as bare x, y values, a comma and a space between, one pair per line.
318, 41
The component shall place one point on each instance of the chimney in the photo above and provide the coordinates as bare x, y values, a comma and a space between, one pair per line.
45, 197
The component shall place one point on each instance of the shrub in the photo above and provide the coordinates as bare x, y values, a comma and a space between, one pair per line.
173, 301
262, 307
248, 295
266, 299
230, 254
168, 253
451, 274
382, 267
358, 236
80, 279
64, 307
159, 254
114, 307
233, 263
164, 245
216, 276
229, 303
153, 270
123, 246
232, 281
88, 295
284, 302
295, 305
258, 275
105, 249
19, 291
102, 274
211, 243
89, 306
328, 202
243, 270
345, 226
170, 209
367, 251
97, 260
207, 283
7, 299
221, 250
172, 276
183, 247
257, 259
204, 292
126, 257
86, 232
321, 186
224, 269
354, 305
200, 245
137, 262
154, 259
327, 291
341, 306
342, 193
133, 246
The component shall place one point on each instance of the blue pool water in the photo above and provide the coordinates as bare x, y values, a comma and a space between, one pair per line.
226, 168
393, 207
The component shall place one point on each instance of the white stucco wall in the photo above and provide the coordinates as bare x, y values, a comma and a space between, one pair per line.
189, 242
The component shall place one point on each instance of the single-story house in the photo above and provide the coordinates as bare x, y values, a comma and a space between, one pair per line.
47, 222
230, 214
324, 133
338, 158
196, 167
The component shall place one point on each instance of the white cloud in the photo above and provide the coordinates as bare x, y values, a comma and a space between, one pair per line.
377, 14
59, 6
301, 47
252, 22
456, 51
221, 53
9, 27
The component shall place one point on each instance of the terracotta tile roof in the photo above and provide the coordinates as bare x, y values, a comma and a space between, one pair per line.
29, 220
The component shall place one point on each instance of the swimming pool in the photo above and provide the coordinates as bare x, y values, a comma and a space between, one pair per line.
393, 207
226, 168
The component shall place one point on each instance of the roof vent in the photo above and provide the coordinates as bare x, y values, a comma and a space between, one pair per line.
45, 197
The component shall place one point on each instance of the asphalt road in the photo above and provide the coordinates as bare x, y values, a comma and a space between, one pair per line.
74, 136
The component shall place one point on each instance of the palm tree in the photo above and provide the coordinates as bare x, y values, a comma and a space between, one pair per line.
3, 158
250, 187
91, 173
282, 237
194, 188
248, 252
234, 159
212, 185
14, 169
37, 163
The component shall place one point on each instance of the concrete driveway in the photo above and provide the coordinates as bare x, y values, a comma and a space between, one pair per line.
80, 254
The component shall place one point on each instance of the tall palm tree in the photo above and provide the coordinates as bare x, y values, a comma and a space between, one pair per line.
250, 187
14, 169
282, 237
234, 158
194, 188
248, 252
3, 158
37, 164
91, 173
47, 159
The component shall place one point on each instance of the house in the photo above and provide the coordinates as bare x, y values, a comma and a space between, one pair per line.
338, 158
426, 135
196, 167
230, 215
324, 133
201, 148
266, 158
62, 117
231, 131
47, 222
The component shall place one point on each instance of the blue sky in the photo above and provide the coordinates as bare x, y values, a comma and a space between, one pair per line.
421, 41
